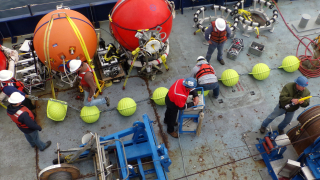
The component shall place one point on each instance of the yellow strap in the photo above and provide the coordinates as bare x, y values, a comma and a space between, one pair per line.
108, 59
84, 48
134, 60
164, 60
135, 53
47, 55
257, 30
3, 106
139, 30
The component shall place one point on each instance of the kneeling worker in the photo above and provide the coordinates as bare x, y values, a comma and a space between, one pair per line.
88, 83
206, 77
289, 103
176, 100
24, 119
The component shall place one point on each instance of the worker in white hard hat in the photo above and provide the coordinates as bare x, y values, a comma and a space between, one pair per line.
206, 76
216, 35
9, 85
87, 82
25, 121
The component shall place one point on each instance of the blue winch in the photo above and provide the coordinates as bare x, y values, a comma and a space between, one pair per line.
141, 146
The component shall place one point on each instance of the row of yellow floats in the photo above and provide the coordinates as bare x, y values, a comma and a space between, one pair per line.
260, 71
56, 110
126, 107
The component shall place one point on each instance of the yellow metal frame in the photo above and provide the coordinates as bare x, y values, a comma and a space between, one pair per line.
3, 106
98, 92
101, 87
84, 48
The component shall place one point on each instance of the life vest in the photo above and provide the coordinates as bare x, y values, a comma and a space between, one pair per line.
81, 76
216, 35
204, 70
17, 84
16, 115
178, 93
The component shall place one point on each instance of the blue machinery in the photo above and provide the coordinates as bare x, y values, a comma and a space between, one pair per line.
196, 114
143, 144
305, 138
311, 159
270, 151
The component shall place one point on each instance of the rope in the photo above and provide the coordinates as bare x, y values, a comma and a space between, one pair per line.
305, 57
300, 129
306, 72
84, 48
46, 53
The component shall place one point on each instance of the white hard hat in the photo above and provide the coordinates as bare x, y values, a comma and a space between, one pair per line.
220, 24
5, 75
201, 58
16, 98
74, 64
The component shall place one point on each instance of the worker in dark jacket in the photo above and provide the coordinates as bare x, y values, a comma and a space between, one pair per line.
176, 100
24, 119
9, 85
88, 83
219, 33
206, 76
289, 103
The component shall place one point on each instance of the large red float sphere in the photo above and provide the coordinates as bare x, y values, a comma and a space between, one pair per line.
130, 16
3, 60
63, 37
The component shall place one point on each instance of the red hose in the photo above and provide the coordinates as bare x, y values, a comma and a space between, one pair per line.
305, 57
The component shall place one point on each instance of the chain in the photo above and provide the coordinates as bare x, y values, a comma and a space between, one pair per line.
72, 107
241, 74
143, 100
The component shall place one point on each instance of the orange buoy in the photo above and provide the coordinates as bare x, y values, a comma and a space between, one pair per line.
63, 41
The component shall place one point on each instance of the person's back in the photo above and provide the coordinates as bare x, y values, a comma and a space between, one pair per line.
25, 121
205, 75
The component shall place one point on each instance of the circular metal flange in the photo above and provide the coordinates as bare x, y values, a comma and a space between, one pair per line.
46, 172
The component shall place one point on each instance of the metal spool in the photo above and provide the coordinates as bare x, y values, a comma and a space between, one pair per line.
59, 172
60, 176
310, 121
